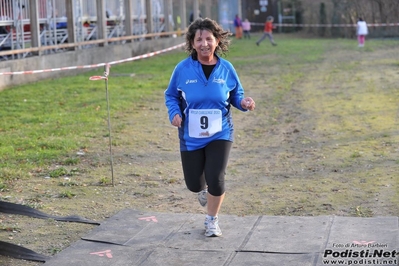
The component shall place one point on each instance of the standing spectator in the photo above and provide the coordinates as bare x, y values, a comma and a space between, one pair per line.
202, 91
238, 27
267, 32
191, 19
361, 32
246, 27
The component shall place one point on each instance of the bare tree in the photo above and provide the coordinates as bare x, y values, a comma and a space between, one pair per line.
344, 12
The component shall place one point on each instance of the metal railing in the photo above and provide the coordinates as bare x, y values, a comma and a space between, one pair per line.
15, 23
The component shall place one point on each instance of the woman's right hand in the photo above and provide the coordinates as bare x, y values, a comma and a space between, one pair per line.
177, 120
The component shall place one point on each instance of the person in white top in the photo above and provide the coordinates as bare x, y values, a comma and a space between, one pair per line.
361, 32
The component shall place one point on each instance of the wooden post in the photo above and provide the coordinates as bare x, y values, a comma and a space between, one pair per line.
183, 16
148, 14
208, 12
168, 15
196, 11
128, 18
34, 24
69, 4
101, 20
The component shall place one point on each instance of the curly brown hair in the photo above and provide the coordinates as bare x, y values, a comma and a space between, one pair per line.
217, 31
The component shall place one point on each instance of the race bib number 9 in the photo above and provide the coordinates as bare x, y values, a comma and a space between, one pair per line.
204, 123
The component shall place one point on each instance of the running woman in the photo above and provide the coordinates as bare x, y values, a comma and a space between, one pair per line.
201, 91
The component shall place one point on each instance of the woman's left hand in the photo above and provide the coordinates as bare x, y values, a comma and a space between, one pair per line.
248, 103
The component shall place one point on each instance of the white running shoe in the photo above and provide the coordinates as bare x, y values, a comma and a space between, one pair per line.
203, 197
212, 228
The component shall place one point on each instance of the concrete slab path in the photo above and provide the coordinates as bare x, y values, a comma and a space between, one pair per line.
133, 237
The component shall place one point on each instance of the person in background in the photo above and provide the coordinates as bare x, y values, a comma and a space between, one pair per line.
246, 27
191, 19
202, 90
238, 27
267, 32
361, 32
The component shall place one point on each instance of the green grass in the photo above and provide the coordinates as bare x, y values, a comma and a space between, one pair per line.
43, 122
47, 122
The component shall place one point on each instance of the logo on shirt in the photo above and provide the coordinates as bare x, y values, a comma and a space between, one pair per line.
191, 81
219, 81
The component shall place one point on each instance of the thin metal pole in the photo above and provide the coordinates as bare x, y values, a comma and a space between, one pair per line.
106, 73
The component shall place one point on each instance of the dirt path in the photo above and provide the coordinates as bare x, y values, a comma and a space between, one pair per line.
332, 148
322, 141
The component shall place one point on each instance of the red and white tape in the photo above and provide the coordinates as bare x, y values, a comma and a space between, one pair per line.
94, 65
336, 25
328, 25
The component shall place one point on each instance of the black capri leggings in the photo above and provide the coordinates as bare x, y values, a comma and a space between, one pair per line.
206, 166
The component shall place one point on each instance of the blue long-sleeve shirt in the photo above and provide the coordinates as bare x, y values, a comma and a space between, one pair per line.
204, 104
